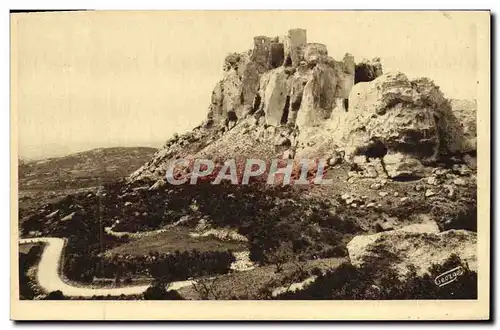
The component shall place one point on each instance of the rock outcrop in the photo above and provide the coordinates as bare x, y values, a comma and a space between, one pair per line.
273, 92
235, 94
403, 166
281, 76
412, 117
285, 83
465, 111
418, 246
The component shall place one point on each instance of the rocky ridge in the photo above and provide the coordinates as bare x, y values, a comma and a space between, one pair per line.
287, 98
282, 81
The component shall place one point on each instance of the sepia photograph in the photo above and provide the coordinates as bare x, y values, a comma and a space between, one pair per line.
286, 164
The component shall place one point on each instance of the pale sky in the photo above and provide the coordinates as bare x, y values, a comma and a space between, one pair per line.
100, 79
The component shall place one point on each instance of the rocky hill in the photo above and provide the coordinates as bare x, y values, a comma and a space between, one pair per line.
287, 98
63, 175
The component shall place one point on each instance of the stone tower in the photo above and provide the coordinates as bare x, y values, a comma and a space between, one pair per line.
293, 43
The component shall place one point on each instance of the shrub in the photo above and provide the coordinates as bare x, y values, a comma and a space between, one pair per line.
55, 295
280, 255
27, 289
210, 288
158, 291
183, 265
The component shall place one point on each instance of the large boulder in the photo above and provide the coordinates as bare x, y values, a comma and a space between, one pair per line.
297, 84
411, 117
328, 84
318, 96
400, 166
274, 91
465, 111
417, 246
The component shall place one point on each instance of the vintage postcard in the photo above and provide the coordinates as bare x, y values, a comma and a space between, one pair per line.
250, 165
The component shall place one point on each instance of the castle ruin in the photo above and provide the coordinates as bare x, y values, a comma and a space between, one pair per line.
285, 79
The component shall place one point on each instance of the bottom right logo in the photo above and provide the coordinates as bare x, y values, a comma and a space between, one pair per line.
449, 276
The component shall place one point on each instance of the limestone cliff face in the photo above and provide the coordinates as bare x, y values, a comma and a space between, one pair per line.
285, 79
183, 146
237, 85
273, 94
287, 88
293, 43
465, 111
410, 116
415, 122
234, 95
321, 94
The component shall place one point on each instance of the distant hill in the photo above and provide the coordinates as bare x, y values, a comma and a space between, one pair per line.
42, 181
83, 169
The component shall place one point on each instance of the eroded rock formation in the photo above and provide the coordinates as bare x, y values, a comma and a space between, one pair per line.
286, 79
412, 117
325, 106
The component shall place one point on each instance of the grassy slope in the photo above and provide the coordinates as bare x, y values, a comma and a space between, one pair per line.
172, 240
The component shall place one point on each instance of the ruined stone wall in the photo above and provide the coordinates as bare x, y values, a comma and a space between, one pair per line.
237, 91
277, 55
313, 51
293, 43
261, 50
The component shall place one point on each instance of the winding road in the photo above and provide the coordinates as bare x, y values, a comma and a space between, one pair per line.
48, 275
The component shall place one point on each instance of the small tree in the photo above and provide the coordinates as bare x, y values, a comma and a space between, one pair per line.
209, 288
281, 255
